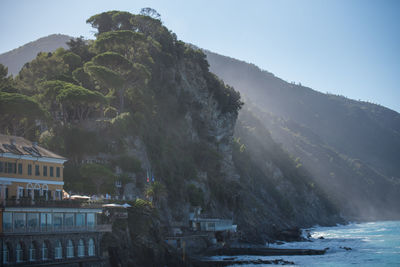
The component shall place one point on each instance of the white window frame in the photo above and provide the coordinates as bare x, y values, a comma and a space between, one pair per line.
81, 248
32, 252
45, 251
70, 249
20, 193
19, 253
58, 251
91, 248
6, 253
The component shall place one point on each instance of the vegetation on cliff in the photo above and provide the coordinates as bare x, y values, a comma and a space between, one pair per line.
137, 103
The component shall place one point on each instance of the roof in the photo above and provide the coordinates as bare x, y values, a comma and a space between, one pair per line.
20, 146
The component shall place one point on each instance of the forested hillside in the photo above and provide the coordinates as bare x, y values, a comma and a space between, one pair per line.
137, 102
352, 148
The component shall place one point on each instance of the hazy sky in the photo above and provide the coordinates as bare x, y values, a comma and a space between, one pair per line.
346, 47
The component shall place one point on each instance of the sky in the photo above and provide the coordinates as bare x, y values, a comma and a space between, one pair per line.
344, 47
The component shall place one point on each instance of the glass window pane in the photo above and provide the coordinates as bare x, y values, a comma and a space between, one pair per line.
19, 168
33, 220
69, 219
49, 219
80, 219
90, 219
57, 220
19, 220
7, 221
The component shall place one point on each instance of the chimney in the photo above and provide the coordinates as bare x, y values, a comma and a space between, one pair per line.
13, 142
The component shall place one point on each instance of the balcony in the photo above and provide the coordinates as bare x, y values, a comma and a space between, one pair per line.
58, 229
43, 203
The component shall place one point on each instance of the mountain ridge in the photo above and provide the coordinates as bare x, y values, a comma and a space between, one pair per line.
304, 128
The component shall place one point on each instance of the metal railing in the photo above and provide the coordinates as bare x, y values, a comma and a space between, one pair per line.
57, 229
27, 202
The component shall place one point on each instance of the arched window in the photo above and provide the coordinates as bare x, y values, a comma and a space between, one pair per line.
81, 248
19, 253
70, 249
58, 250
32, 252
45, 251
6, 253
91, 247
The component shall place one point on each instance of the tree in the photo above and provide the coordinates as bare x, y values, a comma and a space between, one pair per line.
19, 113
45, 67
115, 71
156, 191
72, 60
78, 102
101, 176
6, 82
48, 96
147, 11
80, 47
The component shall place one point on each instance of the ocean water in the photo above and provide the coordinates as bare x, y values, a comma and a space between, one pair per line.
372, 244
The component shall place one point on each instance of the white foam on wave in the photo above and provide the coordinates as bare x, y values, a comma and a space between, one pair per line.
372, 244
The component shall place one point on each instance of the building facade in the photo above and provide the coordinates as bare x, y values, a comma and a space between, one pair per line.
38, 227
29, 171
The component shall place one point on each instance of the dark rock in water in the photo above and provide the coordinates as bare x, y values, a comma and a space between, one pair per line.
218, 263
289, 235
321, 237
346, 248
262, 251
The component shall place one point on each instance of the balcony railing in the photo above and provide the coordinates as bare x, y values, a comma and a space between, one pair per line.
58, 229
28, 202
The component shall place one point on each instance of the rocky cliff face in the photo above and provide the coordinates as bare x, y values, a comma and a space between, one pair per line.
182, 128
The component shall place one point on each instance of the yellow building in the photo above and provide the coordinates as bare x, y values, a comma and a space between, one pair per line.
29, 171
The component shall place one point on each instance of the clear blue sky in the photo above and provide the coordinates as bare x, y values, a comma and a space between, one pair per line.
346, 47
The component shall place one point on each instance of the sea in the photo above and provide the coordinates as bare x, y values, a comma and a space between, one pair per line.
354, 244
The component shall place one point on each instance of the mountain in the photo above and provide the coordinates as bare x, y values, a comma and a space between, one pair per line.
352, 148
16, 58
136, 103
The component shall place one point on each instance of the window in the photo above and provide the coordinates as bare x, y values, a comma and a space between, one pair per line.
19, 221
57, 220
58, 171
44, 170
1, 166
45, 252
58, 194
58, 250
90, 220
69, 219
45, 221
51, 171
37, 170
91, 247
32, 252
20, 192
7, 221
11, 167
19, 168
32, 221
80, 219
19, 253
6, 254
70, 249
81, 248
29, 169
